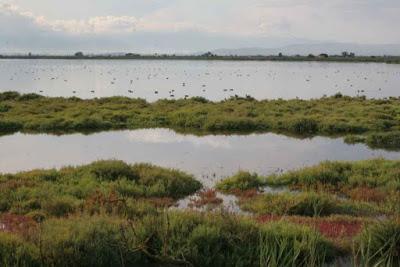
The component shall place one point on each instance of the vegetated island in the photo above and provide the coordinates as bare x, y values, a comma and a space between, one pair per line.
110, 213
344, 57
375, 122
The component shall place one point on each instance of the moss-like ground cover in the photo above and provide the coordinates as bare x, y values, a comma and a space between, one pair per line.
374, 122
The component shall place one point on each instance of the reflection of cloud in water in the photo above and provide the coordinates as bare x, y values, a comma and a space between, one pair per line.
165, 136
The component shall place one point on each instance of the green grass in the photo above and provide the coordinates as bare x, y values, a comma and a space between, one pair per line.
305, 204
355, 188
240, 182
337, 175
379, 245
172, 238
377, 122
107, 214
110, 213
96, 186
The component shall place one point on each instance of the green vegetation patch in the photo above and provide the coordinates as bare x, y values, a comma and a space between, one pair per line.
379, 245
110, 213
103, 184
339, 176
172, 238
241, 181
305, 204
376, 122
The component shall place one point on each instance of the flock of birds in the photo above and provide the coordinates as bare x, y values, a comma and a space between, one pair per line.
152, 81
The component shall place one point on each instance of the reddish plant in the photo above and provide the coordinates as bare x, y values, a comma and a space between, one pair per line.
16, 183
367, 194
206, 197
339, 229
330, 228
246, 194
161, 202
268, 218
18, 224
99, 201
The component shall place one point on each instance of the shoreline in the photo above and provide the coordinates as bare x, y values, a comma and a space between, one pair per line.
330, 59
374, 122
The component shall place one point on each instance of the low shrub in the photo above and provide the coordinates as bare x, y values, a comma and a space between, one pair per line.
304, 126
105, 184
305, 204
86, 241
9, 126
384, 140
241, 181
110, 170
342, 176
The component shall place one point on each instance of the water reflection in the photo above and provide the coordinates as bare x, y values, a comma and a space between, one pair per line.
210, 157
215, 80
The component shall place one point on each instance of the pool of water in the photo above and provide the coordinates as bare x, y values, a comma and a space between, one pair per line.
215, 80
210, 158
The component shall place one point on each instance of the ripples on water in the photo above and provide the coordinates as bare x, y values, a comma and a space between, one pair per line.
215, 80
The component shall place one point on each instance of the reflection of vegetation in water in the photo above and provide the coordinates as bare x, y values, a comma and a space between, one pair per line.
109, 213
374, 122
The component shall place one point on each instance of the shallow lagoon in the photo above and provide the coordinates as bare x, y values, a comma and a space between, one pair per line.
215, 80
209, 158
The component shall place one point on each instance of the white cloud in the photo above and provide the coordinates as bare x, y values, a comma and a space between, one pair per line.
193, 25
94, 25
107, 24
164, 136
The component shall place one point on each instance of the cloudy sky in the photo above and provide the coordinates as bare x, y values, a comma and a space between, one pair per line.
60, 26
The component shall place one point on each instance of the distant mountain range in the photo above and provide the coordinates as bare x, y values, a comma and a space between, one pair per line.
328, 48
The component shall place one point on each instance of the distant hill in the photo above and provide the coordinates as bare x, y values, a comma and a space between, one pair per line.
305, 49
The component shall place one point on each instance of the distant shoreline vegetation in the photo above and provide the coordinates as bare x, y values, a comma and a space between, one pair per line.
344, 57
375, 122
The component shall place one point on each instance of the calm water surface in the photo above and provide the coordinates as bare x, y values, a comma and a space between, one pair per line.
209, 158
215, 80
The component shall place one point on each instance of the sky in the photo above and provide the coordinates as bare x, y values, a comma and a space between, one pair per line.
187, 26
